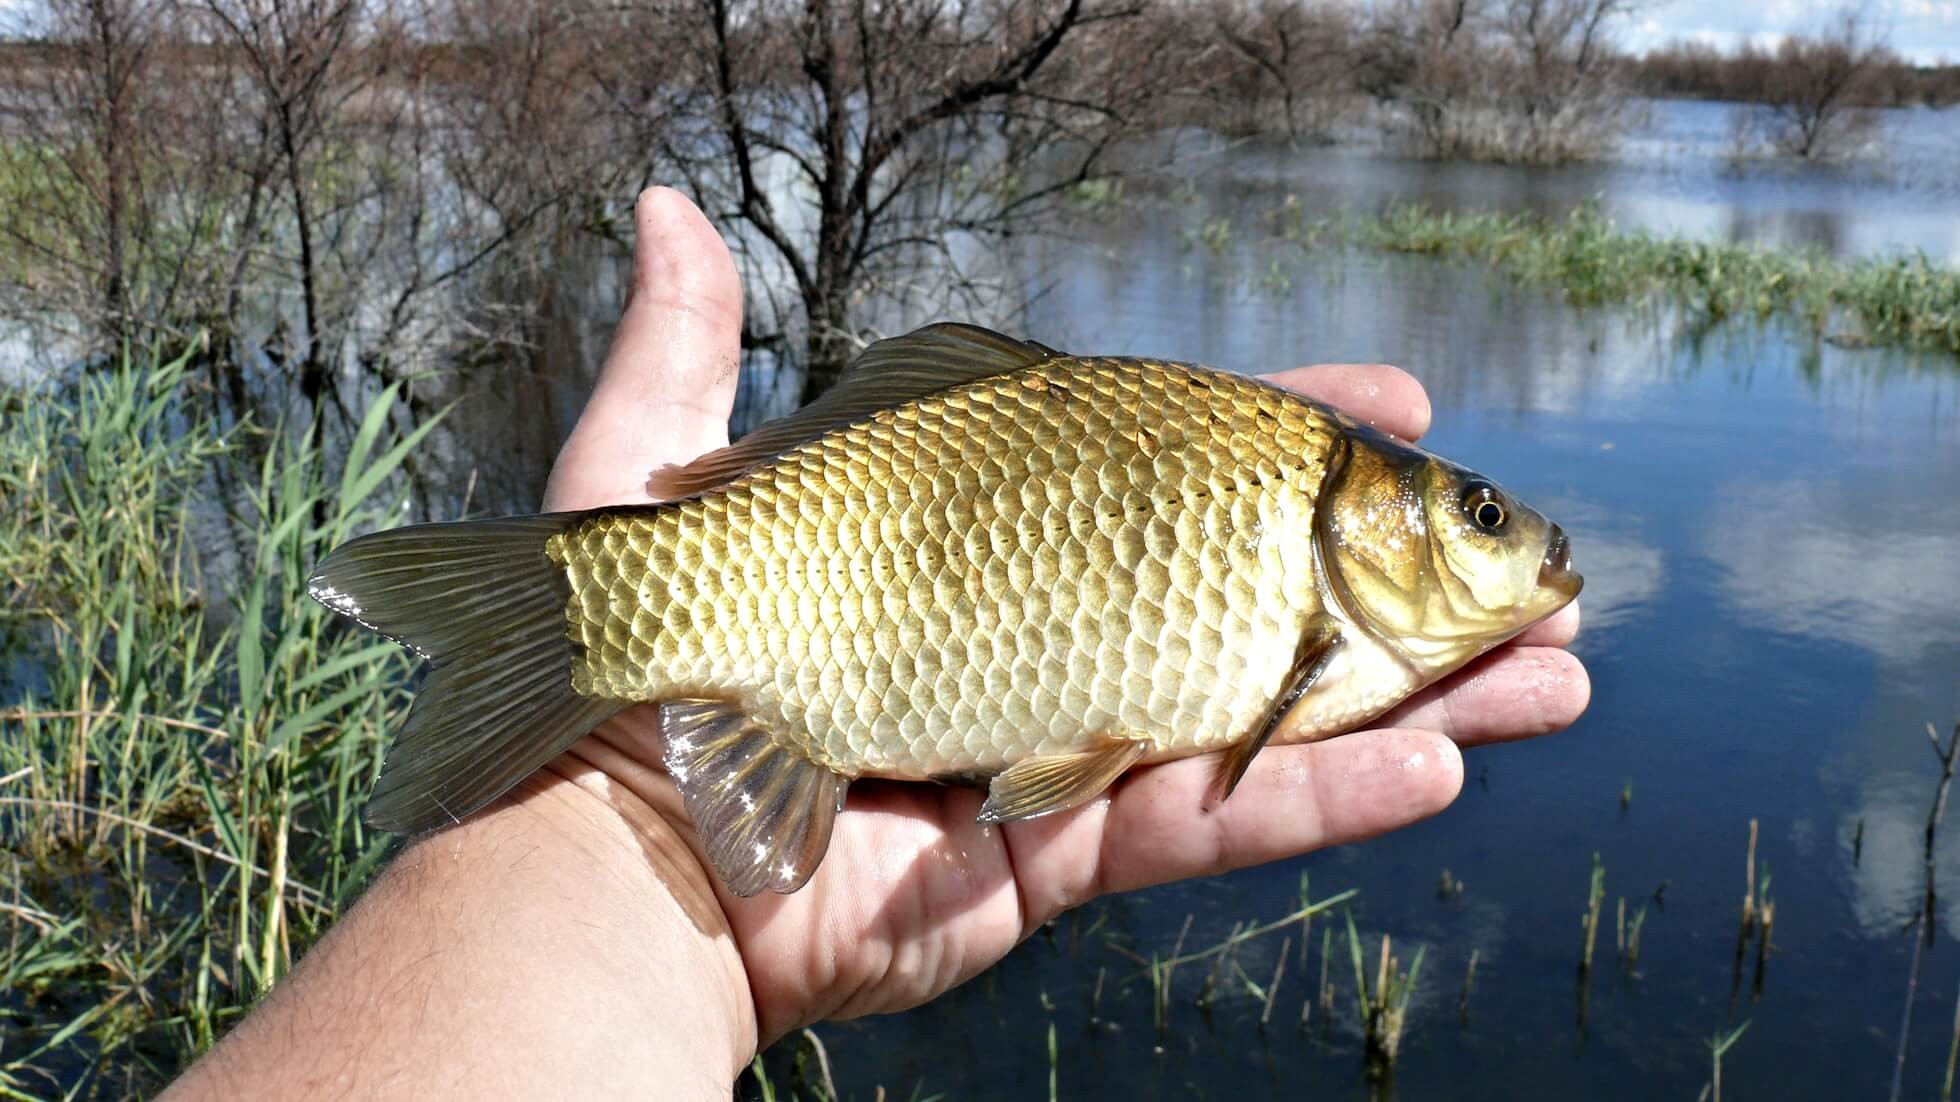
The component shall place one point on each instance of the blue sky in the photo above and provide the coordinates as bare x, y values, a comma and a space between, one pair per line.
1925, 31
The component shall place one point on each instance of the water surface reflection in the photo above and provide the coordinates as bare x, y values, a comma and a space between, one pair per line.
1768, 528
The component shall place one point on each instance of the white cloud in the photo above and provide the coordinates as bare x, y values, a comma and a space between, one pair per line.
1941, 11
1791, 563
1926, 32
1622, 573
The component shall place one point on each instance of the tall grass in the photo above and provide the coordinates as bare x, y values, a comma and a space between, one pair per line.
179, 754
1908, 301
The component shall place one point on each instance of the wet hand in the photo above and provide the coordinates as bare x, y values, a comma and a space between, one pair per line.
914, 896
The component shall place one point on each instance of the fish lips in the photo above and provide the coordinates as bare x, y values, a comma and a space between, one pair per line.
1555, 572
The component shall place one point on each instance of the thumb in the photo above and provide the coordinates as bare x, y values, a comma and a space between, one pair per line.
668, 382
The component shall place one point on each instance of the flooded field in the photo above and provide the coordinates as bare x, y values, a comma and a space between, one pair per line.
1769, 526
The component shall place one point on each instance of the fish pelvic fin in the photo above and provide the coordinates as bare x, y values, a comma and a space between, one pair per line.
486, 606
1056, 782
763, 809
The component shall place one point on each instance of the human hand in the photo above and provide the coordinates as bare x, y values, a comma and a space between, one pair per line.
914, 896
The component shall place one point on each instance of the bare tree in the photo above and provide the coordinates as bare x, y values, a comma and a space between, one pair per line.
1696, 70
1565, 79
1812, 101
1508, 80
1299, 50
1415, 56
82, 222
857, 141
298, 53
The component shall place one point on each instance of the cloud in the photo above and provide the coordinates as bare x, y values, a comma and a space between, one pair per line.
1939, 11
1833, 558
1622, 573
1926, 32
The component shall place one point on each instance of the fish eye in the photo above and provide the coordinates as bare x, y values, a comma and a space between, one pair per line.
1485, 506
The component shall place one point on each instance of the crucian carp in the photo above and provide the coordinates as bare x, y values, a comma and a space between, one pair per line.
975, 558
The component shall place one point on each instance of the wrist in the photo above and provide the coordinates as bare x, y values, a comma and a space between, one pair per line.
611, 828
567, 935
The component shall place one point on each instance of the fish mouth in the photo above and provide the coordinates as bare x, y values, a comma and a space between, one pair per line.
1556, 572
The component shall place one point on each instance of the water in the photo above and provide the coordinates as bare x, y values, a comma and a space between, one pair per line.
1771, 539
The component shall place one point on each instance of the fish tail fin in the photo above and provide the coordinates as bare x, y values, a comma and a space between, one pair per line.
484, 603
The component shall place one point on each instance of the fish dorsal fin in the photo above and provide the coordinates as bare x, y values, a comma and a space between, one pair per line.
889, 373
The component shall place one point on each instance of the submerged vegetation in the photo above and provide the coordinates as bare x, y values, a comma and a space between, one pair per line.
1907, 301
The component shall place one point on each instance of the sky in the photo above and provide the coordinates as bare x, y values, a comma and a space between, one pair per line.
1924, 31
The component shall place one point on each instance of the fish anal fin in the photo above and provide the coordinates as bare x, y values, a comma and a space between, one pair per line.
1318, 646
763, 809
1056, 782
889, 373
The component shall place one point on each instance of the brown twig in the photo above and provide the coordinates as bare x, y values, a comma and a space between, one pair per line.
1272, 989
1946, 756
308, 896
823, 1064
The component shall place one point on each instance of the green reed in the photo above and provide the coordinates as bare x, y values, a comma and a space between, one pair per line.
181, 753
1384, 1008
1718, 1047
1905, 300
1589, 918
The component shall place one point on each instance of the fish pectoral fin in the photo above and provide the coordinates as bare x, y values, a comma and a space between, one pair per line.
1057, 782
1318, 646
762, 808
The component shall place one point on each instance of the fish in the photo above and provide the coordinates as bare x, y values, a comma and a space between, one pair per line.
975, 558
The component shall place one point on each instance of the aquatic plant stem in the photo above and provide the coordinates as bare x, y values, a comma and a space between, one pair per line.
1933, 818
1250, 932
1272, 989
1905, 1017
1749, 885
1595, 896
1718, 1046
1952, 1054
1326, 984
823, 1063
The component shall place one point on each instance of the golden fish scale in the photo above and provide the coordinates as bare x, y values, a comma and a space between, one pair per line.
1009, 568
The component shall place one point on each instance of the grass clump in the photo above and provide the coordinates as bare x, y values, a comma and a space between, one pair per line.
1908, 301
179, 763
1384, 1009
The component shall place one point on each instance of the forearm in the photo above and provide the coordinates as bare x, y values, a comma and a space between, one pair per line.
561, 940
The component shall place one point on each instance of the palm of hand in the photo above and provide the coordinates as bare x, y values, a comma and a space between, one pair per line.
914, 896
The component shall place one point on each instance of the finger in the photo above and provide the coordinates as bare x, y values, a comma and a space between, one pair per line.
1512, 693
1556, 630
1160, 824
668, 382
1386, 397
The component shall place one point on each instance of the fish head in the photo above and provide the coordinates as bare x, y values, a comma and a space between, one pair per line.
1437, 562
